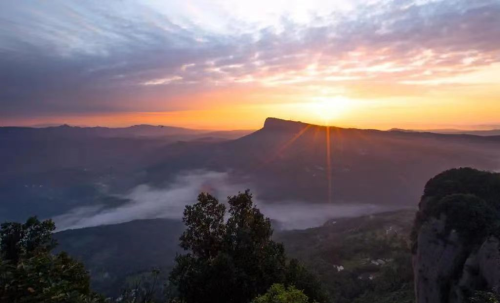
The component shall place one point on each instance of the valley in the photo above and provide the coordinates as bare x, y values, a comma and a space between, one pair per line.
52, 171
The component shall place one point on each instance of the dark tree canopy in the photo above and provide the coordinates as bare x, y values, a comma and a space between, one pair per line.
467, 201
469, 197
233, 261
278, 293
30, 273
205, 231
26, 240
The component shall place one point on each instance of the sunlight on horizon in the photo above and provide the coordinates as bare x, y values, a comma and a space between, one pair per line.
231, 64
331, 108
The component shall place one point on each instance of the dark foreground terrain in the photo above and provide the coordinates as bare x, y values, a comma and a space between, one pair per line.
356, 259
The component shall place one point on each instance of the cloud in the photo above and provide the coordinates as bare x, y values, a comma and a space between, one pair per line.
300, 215
87, 57
163, 81
145, 202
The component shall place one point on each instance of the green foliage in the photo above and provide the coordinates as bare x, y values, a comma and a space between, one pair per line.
26, 240
279, 294
483, 297
465, 181
394, 284
105, 249
300, 277
473, 218
457, 192
205, 231
30, 273
146, 289
468, 201
353, 243
234, 261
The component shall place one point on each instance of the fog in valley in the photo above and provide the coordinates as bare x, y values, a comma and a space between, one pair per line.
147, 202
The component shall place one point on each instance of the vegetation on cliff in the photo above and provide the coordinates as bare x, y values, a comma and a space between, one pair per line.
468, 198
460, 210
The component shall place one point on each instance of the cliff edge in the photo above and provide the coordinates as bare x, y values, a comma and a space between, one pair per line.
456, 247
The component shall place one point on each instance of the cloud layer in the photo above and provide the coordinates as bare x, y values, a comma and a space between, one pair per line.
74, 57
149, 203
145, 202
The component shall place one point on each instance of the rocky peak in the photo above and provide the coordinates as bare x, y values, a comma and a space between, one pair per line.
283, 125
456, 252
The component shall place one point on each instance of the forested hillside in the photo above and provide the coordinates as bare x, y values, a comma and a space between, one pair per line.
365, 259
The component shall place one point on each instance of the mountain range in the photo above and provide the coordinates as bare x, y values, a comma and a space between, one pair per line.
118, 194
51, 171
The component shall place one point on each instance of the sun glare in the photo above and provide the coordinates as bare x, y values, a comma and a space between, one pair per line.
330, 108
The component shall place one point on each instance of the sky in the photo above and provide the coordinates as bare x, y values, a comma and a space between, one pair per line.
229, 64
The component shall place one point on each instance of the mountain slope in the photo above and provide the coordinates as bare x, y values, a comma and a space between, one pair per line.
340, 252
284, 161
113, 253
49, 171
296, 161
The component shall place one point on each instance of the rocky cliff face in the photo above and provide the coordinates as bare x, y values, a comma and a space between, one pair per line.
456, 251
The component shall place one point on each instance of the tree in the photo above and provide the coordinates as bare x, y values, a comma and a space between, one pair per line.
298, 276
205, 227
144, 290
279, 294
26, 240
233, 261
30, 273
260, 262
483, 297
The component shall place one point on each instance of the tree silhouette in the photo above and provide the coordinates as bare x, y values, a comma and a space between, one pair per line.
30, 273
233, 261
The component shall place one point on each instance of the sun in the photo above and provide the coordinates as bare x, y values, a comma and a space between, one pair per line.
329, 109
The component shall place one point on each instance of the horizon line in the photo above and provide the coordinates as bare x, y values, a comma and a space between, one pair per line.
449, 128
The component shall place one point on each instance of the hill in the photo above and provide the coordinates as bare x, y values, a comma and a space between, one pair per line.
490, 132
114, 254
284, 163
351, 255
363, 259
288, 160
49, 171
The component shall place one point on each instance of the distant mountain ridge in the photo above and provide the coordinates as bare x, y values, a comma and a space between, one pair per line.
490, 132
290, 125
283, 162
288, 160
270, 123
131, 131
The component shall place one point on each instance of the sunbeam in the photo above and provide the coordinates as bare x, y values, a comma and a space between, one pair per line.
328, 164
